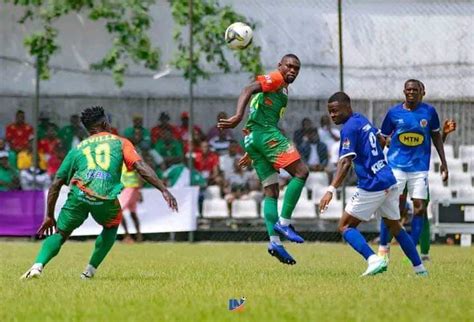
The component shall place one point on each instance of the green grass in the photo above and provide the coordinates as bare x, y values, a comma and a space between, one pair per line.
183, 282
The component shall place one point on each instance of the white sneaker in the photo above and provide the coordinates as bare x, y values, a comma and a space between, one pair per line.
33, 272
376, 265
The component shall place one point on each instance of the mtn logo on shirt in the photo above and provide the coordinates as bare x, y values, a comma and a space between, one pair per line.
411, 139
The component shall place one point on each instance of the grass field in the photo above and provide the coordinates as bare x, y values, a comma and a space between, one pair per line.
183, 282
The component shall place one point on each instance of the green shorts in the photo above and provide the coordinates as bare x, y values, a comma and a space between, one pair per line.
270, 151
107, 213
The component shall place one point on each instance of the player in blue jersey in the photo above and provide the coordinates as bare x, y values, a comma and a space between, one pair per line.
376, 188
411, 126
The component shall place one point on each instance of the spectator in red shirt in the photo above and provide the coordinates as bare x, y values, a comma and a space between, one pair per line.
49, 143
18, 133
163, 125
55, 161
183, 128
207, 162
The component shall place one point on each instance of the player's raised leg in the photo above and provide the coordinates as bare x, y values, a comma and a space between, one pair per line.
300, 172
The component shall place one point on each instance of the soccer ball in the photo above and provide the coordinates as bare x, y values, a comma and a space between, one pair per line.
238, 35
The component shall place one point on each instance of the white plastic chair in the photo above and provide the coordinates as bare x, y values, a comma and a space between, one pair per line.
213, 192
315, 178
244, 208
333, 212
214, 208
304, 209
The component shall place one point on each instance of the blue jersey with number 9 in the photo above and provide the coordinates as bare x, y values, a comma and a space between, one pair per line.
359, 139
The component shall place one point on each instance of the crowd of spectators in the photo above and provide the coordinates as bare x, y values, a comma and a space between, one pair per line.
165, 147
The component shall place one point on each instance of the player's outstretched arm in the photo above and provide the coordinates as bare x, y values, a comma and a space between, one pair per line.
343, 167
244, 99
149, 176
438, 143
49, 223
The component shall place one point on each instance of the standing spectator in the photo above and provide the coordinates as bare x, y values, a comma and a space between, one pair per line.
11, 154
306, 124
226, 161
137, 124
129, 198
25, 158
207, 162
8, 175
18, 133
327, 133
73, 133
141, 144
48, 144
170, 149
215, 131
313, 151
44, 124
164, 124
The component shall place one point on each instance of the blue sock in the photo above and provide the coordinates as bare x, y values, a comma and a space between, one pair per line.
416, 227
384, 234
408, 247
357, 241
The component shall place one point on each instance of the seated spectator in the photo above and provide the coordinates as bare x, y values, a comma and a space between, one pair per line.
25, 158
138, 124
170, 149
141, 144
43, 125
34, 179
48, 144
214, 131
54, 161
207, 162
164, 124
327, 133
18, 133
11, 154
8, 175
306, 125
220, 143
226, 161
183, 129
236, 183
313, 152
71, 135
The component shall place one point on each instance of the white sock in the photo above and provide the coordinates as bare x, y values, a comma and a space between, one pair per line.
90, 269
385, 249
275, 239
284, 221
37, 266
419, 268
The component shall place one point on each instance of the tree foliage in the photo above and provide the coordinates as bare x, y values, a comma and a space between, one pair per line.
128, 21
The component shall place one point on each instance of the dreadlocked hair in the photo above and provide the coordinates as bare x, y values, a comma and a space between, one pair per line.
92, 115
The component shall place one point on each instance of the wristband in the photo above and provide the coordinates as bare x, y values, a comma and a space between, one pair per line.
331, 189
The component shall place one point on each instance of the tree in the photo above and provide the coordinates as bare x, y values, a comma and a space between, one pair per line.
128, 22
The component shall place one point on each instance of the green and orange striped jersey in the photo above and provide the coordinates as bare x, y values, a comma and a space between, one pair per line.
95, 165
267, 107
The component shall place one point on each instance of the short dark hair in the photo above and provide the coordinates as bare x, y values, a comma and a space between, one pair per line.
340, 97
290, 56
92, 116
20, 112
412, 80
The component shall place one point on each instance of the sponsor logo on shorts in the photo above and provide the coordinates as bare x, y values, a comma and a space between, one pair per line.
346, 144
411, 139
423, 123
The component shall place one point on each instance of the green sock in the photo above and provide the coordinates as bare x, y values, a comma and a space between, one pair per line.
292, 194
103, 244
49, 249
425, 237
270, 211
